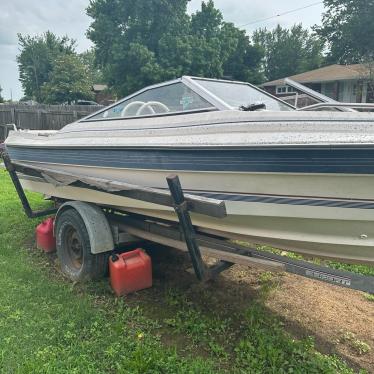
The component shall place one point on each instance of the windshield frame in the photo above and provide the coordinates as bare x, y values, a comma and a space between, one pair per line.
192, 83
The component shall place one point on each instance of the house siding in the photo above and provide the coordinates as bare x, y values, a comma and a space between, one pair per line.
344, 83
348, 91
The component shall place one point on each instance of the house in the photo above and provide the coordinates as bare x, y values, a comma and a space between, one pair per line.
345, 83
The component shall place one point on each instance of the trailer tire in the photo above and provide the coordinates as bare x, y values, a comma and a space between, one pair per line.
74, 249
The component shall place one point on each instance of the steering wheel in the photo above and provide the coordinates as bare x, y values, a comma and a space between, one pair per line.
149, 105
135, 105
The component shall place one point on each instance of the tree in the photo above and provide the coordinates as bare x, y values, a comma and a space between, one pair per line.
206, 41
88, 59
243, 60
68, 81
127, 38
288, 51
220, 49
348, 29
1, 98
146, 41
36, 58
366, 80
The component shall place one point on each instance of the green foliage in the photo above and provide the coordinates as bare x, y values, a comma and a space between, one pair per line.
262, 346
141, 42
1, 98
242, 59
36, 59
348, 29
52, 72
46, 326
68, 81
88, 59
261, 352
354, 268
360, 347
127, 37
288, 51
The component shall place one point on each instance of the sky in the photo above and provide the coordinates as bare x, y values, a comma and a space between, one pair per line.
69, 18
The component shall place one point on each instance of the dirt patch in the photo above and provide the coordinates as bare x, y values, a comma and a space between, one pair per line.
340, 320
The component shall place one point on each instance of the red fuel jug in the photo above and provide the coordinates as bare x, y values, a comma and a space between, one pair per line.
130, 272
44, 236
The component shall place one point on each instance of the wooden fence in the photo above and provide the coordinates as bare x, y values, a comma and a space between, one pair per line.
42, 117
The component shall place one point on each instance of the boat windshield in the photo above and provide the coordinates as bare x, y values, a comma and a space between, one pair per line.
160, 100
238, 94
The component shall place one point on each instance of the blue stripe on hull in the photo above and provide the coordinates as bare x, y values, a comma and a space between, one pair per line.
289, 200
278, 160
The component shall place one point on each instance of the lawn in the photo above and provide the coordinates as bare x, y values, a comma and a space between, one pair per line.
50, 325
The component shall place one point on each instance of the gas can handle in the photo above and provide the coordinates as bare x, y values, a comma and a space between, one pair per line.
134, 253
114, 257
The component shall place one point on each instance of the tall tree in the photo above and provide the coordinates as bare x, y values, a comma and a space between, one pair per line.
127, 38
348, 29
288, 51
220, 49
242, 60
366, 79
68, 81
88, 59
1, 98
145, 41
206, 41
36, 58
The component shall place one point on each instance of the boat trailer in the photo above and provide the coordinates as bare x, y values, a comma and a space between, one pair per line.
183, 234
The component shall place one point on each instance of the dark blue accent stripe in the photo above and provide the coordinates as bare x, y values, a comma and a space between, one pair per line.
353, 204
280, 160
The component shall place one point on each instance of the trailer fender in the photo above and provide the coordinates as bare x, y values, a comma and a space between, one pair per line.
98, 228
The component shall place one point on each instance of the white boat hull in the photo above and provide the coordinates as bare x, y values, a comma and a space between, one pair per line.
289, 211
293, 180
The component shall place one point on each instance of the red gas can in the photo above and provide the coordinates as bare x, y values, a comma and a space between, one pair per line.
44, 236
130, 272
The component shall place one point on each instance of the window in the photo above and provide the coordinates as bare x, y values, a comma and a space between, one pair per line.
285, 89
238, 94
171, 98
281, 89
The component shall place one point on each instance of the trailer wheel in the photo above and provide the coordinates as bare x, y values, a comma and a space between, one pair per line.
74, 249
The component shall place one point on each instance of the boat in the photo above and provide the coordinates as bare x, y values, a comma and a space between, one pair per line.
298, 180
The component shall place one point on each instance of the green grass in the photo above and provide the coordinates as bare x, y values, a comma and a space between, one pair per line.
356, 344
355, 268
49, 325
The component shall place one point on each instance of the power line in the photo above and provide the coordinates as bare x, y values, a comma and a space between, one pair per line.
281, 14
